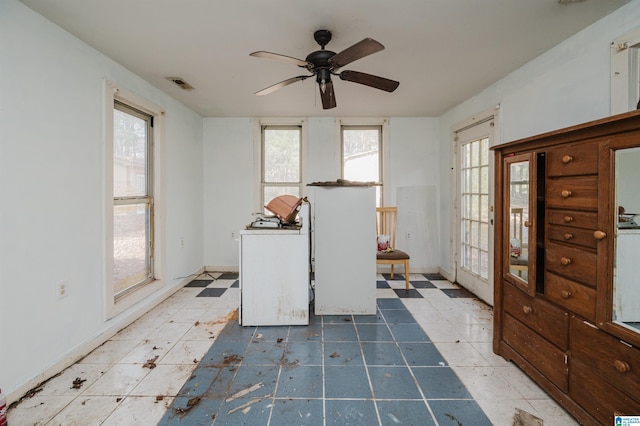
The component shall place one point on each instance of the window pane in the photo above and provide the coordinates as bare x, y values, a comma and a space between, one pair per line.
129, 155
361, 154
466, 156
475, 180
475, 153
484, 180
484, 151
131, 260
281, 155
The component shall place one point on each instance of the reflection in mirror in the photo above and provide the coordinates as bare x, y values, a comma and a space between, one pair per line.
626, 280
518, 221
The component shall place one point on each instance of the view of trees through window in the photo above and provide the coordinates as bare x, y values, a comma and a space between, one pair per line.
281, 168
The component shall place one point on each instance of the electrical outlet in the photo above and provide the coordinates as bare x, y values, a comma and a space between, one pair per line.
408, 235
182, 242
233, 235
61, 290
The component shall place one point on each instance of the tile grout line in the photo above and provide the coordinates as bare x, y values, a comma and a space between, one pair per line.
366, 367
415, 380
324, 385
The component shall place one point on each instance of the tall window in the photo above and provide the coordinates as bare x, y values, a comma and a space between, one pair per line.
362, 155
132, 199
281, 161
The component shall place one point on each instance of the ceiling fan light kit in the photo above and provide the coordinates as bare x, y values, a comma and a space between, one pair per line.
324, 63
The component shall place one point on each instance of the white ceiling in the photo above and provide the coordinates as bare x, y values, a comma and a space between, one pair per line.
441, 51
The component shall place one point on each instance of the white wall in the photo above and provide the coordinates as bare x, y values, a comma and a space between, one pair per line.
228, 162
566, 85
230, 181
52, 192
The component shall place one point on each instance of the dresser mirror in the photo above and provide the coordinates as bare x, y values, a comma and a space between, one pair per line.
519, 235
626, 281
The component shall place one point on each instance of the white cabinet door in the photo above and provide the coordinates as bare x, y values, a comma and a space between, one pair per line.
274, 278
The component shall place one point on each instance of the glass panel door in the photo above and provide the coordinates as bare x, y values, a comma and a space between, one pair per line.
474, 217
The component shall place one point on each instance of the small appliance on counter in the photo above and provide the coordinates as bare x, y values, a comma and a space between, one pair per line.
626, 220
285, 209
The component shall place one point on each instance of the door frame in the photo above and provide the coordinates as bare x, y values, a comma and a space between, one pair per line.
492, 114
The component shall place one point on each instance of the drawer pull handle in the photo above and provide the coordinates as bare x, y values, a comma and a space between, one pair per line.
621, 366
527, 309
568, 236
527, 224
567, 159
568, 219
565, 294
565, 261
599, 235
566, 193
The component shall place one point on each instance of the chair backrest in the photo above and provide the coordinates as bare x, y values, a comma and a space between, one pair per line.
516, 220
386, 220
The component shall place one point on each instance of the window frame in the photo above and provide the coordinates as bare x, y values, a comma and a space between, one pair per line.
113, 93
146, 199
284, 123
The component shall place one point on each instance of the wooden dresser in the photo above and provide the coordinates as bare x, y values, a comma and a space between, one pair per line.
556, 225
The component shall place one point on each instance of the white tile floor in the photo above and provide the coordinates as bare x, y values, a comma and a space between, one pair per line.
117, 388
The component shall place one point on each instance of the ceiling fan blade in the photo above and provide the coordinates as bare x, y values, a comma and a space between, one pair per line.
359, 50
370, 80
282, 58
282, 84
328, 96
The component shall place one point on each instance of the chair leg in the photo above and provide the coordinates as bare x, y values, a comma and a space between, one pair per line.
406, 273
392, 271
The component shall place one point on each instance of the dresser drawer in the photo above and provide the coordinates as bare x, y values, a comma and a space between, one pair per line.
615, 361
571, 262
542, 355
544, 318
574, 236
597, 396
573, 160
572, 218
571, 295
572, 193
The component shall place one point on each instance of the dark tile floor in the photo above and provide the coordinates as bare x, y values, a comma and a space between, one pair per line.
347, 370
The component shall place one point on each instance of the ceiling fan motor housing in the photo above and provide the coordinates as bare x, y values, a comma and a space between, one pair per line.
321, 66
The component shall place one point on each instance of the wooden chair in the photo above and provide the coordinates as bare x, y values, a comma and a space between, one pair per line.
518, 260
386, 221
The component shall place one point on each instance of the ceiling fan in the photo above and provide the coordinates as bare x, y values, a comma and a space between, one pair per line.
324, 63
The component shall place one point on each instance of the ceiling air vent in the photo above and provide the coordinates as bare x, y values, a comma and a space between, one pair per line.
181, 83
